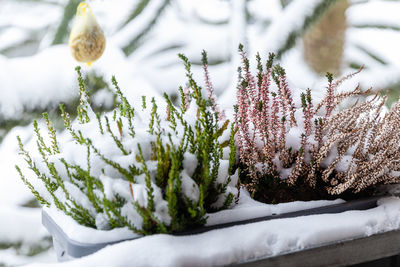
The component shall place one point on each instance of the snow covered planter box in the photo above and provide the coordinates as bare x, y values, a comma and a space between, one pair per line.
377, 250
72, 240
339, 239
184, 168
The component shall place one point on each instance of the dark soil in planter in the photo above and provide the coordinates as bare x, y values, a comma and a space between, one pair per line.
273, 191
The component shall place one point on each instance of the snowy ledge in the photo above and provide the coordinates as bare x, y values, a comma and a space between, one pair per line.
247, 208
248, 242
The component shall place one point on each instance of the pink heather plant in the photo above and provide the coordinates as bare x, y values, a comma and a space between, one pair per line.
286, 148
210, 87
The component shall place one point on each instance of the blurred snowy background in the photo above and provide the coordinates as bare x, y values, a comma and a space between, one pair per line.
143, 40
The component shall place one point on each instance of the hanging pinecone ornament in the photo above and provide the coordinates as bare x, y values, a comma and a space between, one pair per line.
87, 40
324, 41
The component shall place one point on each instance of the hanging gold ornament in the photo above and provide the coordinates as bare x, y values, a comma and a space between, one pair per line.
87, 40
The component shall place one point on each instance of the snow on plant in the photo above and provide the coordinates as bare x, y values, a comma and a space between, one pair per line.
312, 146
136, 167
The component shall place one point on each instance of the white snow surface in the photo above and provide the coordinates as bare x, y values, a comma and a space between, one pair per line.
10, 257
20, 225
54, 79
84, 234
246, 242
247, 208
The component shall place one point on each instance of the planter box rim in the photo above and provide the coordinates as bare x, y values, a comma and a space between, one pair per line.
77, 249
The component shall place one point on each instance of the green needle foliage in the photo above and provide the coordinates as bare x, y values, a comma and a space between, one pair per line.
62, 30
157, 165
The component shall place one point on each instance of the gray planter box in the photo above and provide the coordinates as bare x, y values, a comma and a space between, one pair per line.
67, 248
380, 250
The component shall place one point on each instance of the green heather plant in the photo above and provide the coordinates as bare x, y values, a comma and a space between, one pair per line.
148, 168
